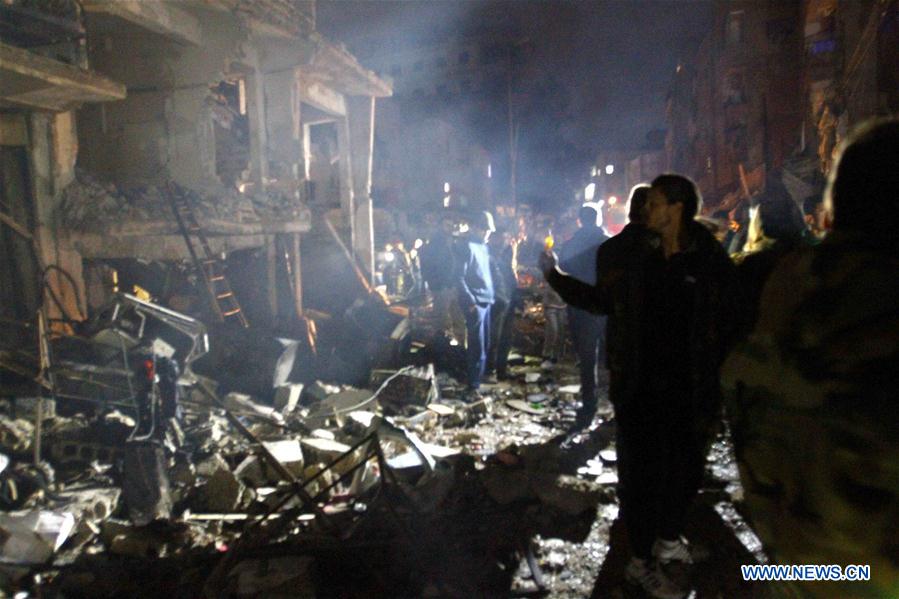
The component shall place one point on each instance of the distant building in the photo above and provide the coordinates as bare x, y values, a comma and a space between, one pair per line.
776, 83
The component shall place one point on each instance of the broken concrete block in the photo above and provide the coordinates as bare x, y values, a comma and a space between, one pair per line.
222, 492
323, 433
323, 450
288, 452
257, 471
32, 536
287, 397
211, 465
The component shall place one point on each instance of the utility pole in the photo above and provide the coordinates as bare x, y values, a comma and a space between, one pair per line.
513, 137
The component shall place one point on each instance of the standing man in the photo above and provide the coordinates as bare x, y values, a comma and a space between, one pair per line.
437, 258
669, 291
475, 287
578, 259
502, 313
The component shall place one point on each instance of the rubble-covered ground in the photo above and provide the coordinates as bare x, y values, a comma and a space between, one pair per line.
401, 489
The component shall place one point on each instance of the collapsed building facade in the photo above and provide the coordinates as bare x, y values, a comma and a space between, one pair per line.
108, 107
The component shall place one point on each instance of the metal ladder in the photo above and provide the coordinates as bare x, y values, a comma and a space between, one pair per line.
221, 295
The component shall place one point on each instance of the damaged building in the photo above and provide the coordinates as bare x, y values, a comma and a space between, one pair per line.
258, 123
775, 87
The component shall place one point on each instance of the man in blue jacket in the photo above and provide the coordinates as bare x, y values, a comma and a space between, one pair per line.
475, 286
578, 259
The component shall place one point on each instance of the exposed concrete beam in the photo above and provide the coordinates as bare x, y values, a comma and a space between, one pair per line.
321, 96
36, 81
158, 17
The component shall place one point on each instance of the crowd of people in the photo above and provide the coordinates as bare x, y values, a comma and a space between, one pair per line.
791, 337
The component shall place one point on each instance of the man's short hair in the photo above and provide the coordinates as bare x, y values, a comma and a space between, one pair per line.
637, 202
811, 203
588, 215
864, 185
679, 189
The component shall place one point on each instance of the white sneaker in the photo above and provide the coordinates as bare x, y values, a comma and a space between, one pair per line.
678, 550
649, 577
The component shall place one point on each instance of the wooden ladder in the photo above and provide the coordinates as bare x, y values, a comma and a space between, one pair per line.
221, 296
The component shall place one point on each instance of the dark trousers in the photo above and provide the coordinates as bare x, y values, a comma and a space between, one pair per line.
588, 332
477, 323
661, 461
502, 317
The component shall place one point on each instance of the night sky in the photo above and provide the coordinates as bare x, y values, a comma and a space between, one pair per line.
617, 58
605, 68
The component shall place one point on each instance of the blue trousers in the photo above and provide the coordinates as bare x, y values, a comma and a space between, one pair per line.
477, 323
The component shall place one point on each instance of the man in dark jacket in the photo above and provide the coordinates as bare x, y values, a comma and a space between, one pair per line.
578, 259
437, 269
670, 292
502, 313
475, 286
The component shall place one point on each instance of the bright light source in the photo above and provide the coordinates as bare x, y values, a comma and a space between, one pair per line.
389, 256
612, 200
418, 243
593, 172
489, 171
610, 169
446, 188
590, 191
446, 201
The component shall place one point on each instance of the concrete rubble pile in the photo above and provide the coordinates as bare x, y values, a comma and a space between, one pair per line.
90, 205
172, 483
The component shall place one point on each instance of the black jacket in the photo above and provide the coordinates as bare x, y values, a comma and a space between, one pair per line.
628, 271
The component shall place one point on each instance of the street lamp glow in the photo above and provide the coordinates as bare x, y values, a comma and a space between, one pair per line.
613, 200
446, 187
610, 169
489, 171
589, 192
593, 171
